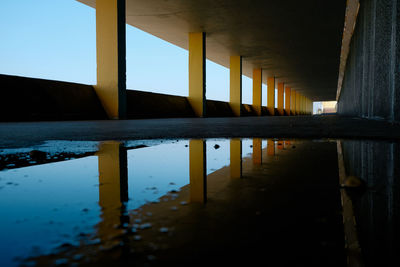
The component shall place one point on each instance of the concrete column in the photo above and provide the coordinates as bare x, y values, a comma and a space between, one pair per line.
257, 90
235, 93
111, 56
257, 151
113, 175
197, 73
236, 158
298, 99
293, 103
302, 104
281, 87
271, 95
198, 171
287, 100
270, 147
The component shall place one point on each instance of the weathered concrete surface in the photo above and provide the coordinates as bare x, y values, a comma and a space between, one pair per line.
28, 99
371, 86
376, 205
24, 134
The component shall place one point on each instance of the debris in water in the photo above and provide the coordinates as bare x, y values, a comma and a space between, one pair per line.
145, 226
216, 146
164, 230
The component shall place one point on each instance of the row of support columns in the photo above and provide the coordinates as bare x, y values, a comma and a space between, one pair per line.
111, 71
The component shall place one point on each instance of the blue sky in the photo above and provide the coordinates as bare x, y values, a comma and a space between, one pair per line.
56, 39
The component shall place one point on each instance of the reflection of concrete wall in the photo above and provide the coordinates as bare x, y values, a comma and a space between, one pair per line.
377, 209
371, 81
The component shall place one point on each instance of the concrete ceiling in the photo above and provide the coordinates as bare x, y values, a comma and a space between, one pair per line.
296, 41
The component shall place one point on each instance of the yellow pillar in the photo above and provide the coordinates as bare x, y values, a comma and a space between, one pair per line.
280, 98
293, 102
197, 73
271, 95
113, 178
235, 93
287, 100
298, 97
111, 57
257, 90
198, 171
257, 151
236, 158
270, 147
301, 105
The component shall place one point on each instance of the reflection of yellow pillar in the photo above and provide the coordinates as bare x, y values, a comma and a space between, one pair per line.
111, 62
235, 93
197, 73
197, 169
287, 100
271, 95
257, 150
280, 98
113, 189
270, 147
293, 102
280, 145
236, 158
257, 90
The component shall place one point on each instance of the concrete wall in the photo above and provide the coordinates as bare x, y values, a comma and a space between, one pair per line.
28, 99
371, 85
377, 205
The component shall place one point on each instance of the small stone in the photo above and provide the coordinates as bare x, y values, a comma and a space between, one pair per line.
85, 210
151, 257
174, 208
145, 226
137, 220
61, 261
163, 230
78, 257
137, 238
183, 203
37, 155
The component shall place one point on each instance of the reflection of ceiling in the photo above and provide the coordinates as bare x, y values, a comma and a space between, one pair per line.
298, 42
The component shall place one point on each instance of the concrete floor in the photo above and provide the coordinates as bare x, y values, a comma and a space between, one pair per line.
32, 133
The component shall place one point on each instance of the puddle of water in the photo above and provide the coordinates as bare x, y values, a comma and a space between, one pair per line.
57, 204
112, 192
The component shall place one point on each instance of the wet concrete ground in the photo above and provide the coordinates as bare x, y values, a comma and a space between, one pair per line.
283, 212
27, 134
139, 203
